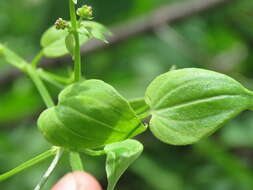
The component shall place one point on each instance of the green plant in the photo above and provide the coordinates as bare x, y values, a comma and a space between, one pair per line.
91, 117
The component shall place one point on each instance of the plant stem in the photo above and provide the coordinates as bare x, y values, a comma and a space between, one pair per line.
75, 161
37, 59
77, 56
40, 86
50, 169
29, 163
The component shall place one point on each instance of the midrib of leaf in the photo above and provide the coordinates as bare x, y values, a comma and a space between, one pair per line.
93, 119
193, 120
202, 100
181, 86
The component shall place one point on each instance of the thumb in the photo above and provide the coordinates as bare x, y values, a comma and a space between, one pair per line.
77, 181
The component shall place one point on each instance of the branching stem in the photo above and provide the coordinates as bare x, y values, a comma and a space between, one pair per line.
40, 86
37, 59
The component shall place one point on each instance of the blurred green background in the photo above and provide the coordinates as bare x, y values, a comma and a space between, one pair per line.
220, 39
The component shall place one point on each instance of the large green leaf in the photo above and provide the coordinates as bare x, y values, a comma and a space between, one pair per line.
120, 156
53, 42
189, 104
89, 114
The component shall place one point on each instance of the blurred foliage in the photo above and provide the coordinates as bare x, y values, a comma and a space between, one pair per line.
220, 39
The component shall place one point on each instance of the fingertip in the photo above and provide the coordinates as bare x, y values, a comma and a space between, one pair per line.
77, 181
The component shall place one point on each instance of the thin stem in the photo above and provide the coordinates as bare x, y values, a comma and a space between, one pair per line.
77, 56
50, 169
29, 163
37, 59
53, 79
75, 161
59, 79
40, 86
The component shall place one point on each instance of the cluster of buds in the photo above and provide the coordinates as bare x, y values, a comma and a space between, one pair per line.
85, 12
61, 24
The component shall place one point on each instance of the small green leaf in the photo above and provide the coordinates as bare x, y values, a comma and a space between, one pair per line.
70, 43
119, 157
89, 114
53, 42
74, 1
12, 58
189, 104
96, 30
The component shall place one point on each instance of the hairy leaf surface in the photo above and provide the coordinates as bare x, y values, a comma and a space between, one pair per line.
189, 104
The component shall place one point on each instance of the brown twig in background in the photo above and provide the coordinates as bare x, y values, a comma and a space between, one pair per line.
170, 13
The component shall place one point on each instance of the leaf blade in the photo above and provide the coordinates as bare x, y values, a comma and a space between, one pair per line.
189, 104
119, 157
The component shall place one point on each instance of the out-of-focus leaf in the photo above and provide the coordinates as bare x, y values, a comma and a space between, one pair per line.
70, 43
53, 42
96, 30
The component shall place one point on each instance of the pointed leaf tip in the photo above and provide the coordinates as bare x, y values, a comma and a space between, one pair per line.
120, 156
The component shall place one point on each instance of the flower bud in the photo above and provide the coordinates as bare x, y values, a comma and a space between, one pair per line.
61, 24
85, 12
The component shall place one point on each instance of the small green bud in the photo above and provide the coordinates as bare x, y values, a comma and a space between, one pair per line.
61, 24
85, 12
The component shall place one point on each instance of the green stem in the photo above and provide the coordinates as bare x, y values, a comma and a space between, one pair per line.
75, 161
50, 169
29, 163
37, 59
40, 86
59, 79
77, 55
52, 78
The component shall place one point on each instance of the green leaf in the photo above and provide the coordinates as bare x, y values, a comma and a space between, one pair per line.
189, 104
96, 30
119, 157
70, 43
12, 58
139, 105
89, 114
74, 1
53, 42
